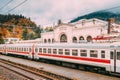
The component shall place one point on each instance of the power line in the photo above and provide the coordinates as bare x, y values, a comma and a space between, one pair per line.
16, 6
6, 4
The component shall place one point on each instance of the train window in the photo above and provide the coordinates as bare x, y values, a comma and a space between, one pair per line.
67, 52
54, 51
40, 50
93, 53
118, 55
44, 50
49, 50
60, 51
17, 49
75, 52
111, 55
21, 49
27, 49
30, 49
83, 53
24, 49
102, 54
36, 49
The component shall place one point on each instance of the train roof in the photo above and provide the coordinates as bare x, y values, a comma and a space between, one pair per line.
9, 45
75, 45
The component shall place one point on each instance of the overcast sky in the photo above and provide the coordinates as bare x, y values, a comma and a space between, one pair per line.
45, 12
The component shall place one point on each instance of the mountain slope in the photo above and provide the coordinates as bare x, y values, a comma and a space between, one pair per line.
100, 15
12, 25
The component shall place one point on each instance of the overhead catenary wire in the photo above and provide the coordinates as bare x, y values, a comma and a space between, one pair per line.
6, 4
63, 18
16, 6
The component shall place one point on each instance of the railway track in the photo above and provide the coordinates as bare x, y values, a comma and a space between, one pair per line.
28, 70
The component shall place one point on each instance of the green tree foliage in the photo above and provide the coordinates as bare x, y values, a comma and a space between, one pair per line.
100, 15
25, 34
6, 18
17, 24
31, 36
13, 19
1, 39
37, 30
49, 29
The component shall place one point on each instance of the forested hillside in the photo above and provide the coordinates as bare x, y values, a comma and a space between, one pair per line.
100, 15
18, 26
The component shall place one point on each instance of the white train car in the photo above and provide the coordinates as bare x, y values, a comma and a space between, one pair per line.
99, 56
102, 57
3, 48
25, 50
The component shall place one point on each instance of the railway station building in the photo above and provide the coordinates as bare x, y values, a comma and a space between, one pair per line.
85, 30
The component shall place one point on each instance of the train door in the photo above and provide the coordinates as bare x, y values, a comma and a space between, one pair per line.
33, 51
118, 61
115, 60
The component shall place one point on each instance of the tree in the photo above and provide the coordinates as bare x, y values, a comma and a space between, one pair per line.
38, 32
1, 39
31, 36
49, 29
25, 34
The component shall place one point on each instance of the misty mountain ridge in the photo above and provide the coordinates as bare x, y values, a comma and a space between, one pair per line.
103, 15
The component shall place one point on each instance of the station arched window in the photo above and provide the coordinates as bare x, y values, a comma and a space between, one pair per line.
49, 41
74, 40
81, 38
63, 38
89, 38
45, 41
53, 41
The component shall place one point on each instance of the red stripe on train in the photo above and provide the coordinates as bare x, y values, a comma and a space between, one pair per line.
17, 52
78, 58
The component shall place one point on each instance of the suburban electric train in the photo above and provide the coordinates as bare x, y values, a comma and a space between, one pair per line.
101, 57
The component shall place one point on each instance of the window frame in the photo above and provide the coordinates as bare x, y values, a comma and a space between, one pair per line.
67, 51
94, 53
60, 51
74, 52
54, 51
83, 52
103, 54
